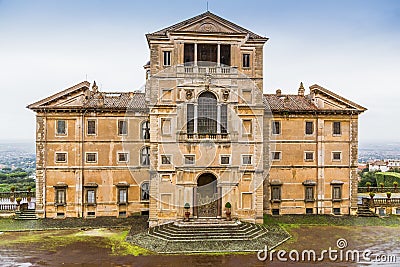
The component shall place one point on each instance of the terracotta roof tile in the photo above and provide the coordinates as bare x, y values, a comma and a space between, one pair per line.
130, 101
288, 103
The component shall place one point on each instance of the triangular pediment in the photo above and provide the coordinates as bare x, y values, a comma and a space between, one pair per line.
326, 99
207, 23
68, 98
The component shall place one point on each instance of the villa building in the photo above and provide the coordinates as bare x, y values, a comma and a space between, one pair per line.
202, 133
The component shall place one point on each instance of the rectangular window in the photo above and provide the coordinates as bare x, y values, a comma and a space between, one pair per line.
336, 156
246, 159
337, 193
336, 211
189, 159
190, 118
60, 196
276, 155
123, 157
90, 196
337, 128
61, 157
224, 118
225, 160
167, 58
165, 159
166, 126
91, 157
276, 127
246, 61
91, 127
61, 127
309, 127
309, 211
122, 195
247, 201
308, 156
276, 193
122, 127
309, 193
247, 127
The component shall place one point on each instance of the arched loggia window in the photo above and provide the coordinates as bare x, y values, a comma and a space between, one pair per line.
207, 117
207, 113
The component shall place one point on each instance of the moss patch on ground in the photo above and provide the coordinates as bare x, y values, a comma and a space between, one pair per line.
293, 220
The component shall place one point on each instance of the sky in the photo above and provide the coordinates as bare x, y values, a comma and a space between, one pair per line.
351, 47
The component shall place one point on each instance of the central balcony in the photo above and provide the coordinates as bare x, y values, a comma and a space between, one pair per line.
196, 137
222, 70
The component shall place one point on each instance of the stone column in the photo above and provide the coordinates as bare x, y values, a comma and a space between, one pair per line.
219, 55
195, 54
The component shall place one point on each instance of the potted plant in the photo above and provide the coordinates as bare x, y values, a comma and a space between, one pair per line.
187, 212
382, 185
371, 195
228, 211
368, 184
29, 188
388, 194
395, 184
12, 188
18, 199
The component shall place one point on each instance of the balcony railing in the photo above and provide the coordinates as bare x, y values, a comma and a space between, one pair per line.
8, 200
206, 70
378, 189
197, 136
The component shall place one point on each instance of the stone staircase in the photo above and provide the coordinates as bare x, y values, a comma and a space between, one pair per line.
26, 215
210, 230
363, 211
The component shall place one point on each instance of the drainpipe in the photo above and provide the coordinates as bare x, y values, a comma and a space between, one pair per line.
83, 162
316, 145
45, 164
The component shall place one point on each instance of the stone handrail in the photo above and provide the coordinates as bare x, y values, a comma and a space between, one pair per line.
378, 189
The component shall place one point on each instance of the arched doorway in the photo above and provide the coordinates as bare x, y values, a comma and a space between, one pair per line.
207, 197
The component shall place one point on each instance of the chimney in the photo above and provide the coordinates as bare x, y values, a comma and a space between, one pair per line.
301, 89
101, 100
131, 95
286, 102
94, 87
278, 92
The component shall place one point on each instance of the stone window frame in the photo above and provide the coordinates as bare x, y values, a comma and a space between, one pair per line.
337, 131
87, 154
273, 153
337, 153
276, 188
60, 153
60, 189
242, 157
166, 156
61, 134
170, 205
87, 188
309, 152
163, 120
145, 130
145, 158
122, 187
339, 189
166, 175
119, 153
121, 130
246, 54
145, 192
251, 95
164, 92
307, 197
276, 130
229, 156
189, 155
167, 62
312, 128
95, 127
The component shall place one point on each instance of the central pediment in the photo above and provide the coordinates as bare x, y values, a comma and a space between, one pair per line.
206, 23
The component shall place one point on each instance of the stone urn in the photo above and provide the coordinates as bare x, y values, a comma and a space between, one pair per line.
228, 213
187, 212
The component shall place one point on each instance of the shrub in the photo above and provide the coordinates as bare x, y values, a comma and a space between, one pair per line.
228, 205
